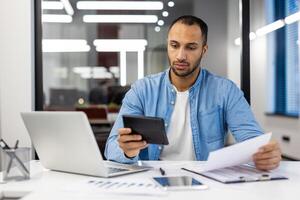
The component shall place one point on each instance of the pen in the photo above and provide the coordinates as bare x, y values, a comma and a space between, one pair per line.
11, 159
162, 172
3, 144
16, 145
12, 156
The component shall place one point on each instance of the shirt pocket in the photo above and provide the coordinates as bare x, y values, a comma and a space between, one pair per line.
211, 125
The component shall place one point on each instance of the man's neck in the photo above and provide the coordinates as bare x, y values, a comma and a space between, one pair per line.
184, 83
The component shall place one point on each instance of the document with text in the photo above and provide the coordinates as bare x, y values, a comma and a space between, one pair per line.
229, 164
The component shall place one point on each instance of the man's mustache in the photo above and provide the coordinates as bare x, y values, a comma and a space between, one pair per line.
180, 63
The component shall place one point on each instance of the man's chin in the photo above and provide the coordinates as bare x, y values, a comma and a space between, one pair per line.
180, 73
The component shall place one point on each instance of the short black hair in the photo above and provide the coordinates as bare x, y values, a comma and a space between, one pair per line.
191, 20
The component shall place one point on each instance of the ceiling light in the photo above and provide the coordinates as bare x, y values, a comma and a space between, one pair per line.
237, 41
115, 45
120, 18
51, 18
292, 18
160, 22
52, 5
252, 36
165, 14
171, 4
123, 71
270, 27
82, 70
120, 5
65, 45
68, 7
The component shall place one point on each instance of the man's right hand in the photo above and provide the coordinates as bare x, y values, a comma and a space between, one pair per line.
130, 143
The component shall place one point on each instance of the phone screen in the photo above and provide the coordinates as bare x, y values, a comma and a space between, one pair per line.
177, 181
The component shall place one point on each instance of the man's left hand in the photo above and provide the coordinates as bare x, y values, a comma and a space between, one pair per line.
268, 157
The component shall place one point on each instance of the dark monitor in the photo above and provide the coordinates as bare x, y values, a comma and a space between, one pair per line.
116, 93
63, 97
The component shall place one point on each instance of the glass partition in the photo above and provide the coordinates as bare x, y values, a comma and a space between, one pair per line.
92, 51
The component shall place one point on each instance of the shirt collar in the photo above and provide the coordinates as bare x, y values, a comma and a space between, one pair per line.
196, 84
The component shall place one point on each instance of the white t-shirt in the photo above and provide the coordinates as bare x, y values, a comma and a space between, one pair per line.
179, 134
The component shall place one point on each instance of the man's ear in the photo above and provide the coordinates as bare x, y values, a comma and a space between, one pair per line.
205, 48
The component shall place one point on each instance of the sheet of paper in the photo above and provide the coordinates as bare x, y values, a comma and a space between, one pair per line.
236, 154
117, 186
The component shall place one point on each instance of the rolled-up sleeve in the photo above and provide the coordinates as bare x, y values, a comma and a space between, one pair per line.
132, 105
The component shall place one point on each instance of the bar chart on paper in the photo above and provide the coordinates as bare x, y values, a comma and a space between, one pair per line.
115, 186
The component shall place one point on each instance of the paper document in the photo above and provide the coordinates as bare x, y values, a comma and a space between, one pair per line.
228, 165
236, 154
117, 186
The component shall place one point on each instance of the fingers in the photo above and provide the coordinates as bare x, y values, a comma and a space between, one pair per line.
271, 161
269, 147
129, 138
125, 135
266, 167
131, 144
268, 157
124, 131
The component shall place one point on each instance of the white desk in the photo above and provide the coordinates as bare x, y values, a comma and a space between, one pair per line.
46, 184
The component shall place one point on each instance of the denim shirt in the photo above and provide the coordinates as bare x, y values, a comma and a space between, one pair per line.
216, 105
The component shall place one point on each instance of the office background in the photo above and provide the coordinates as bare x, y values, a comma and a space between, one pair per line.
17, 62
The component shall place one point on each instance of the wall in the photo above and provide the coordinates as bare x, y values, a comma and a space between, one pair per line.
214, 13
16, 68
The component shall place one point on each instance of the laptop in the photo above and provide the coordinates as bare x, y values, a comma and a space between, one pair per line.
64, 141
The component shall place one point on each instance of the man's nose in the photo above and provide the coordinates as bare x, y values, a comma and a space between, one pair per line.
181, 55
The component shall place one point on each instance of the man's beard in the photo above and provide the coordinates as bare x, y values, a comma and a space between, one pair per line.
187, 73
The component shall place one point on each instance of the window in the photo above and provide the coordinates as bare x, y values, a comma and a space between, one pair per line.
283, 59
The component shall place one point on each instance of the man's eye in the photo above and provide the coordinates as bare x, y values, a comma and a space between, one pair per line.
191, 47
174, 45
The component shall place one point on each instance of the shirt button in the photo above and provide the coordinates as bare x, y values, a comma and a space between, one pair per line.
172, 102
172, 90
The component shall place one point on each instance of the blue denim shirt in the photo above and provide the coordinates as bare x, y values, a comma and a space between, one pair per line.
216, 103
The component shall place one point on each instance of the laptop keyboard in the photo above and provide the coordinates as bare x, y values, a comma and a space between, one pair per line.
115, 170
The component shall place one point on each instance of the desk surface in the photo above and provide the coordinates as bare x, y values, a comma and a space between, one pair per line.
45, 184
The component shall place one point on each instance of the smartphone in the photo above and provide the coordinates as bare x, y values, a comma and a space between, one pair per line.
179, 183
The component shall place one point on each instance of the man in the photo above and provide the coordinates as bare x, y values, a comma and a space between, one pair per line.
197, 106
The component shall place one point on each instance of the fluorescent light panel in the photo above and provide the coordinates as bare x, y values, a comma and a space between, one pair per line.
123, 74
52, 5
140, 64
270, 27
65, 45
252, 36
113, 45
51, 18
120, 5
87, 72
292, 18
68, 7
120, 18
